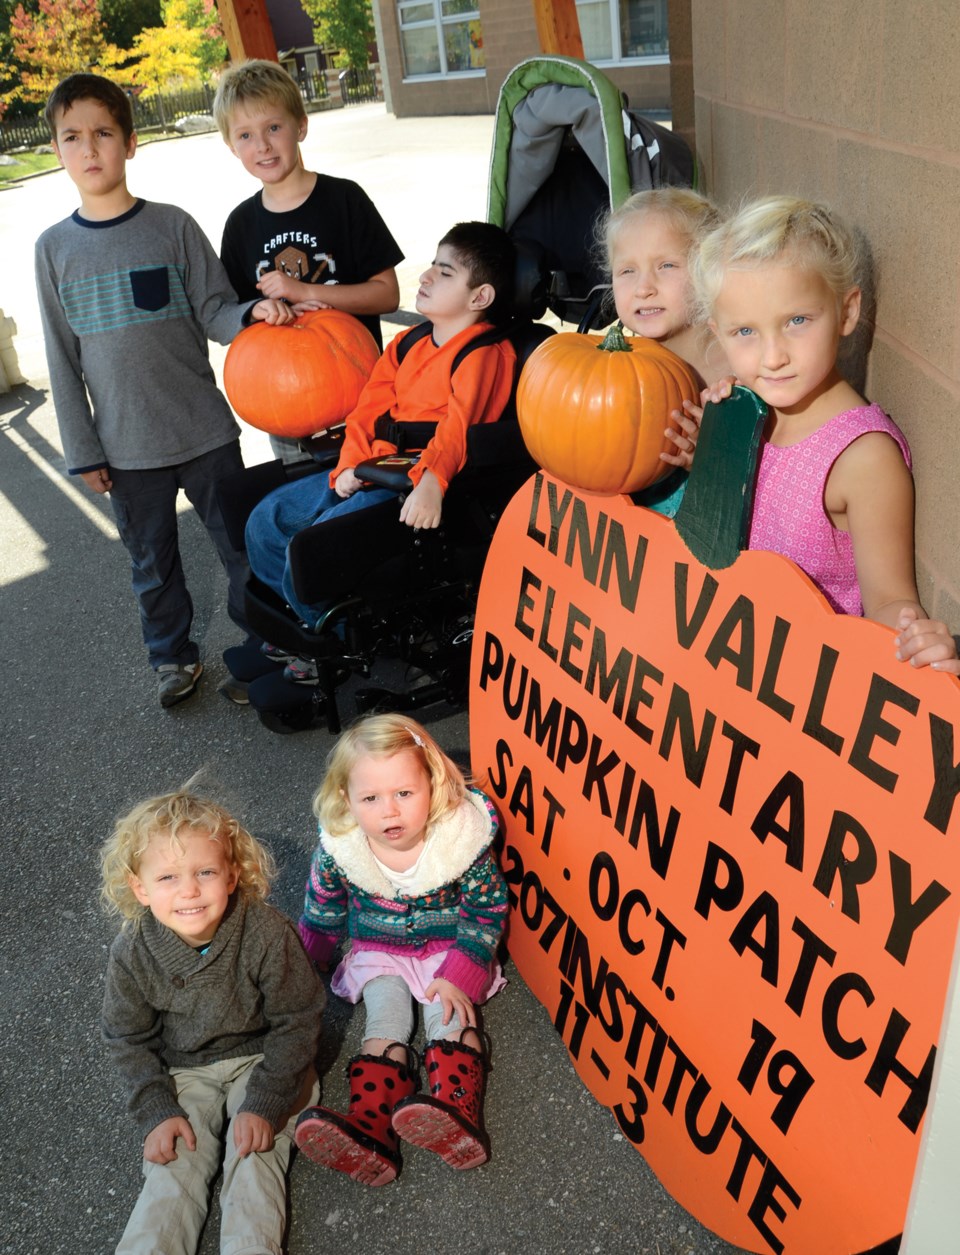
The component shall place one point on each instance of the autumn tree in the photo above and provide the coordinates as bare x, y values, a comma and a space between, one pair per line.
346, 25
59, 38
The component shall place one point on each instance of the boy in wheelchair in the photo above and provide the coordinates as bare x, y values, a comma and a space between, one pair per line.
420, 395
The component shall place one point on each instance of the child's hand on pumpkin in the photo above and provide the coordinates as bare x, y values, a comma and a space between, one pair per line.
277, 313
926, 642
684, 435
346, 483
305, 307
423, 506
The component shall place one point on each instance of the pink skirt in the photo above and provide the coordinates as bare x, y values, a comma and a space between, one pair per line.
360, 966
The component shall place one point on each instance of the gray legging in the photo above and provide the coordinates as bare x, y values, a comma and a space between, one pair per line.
389, 1007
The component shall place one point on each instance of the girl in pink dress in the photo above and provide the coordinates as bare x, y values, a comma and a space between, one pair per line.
405, 869
777, 283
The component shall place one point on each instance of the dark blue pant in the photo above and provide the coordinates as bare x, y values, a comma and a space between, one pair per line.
275, 521
145, 508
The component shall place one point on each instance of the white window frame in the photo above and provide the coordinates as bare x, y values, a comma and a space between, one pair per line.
618, 58
438, 21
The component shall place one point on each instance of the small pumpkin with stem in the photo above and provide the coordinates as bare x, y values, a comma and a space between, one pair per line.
593, 409
300, 378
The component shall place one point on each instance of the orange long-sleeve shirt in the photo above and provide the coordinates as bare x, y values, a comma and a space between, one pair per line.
420, 389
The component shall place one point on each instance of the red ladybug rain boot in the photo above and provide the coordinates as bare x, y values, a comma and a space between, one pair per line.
361, 1143
448, 1120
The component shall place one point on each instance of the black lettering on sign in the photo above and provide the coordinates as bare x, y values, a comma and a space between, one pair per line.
601, 681
573, 642
787, 792
838, 989
740, 746
689, 624
679, 717
554, 810
767, 692
646, 817
887, 1064
946, 775
739, 622
721, 882
498, 777
491, 667
762, 911
813, 725
873, 727
596, 772
639, 696
786, 1076
525, 602
908, 914
542, 727
813, 949
853, 870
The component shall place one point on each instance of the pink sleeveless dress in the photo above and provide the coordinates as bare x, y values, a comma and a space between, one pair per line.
788, 512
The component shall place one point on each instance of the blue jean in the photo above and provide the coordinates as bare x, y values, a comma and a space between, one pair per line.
145, 507
276, 519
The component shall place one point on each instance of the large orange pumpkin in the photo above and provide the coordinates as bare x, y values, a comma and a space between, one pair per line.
593, 409
300, 378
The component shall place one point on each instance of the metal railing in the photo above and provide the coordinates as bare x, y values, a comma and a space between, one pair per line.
162, 111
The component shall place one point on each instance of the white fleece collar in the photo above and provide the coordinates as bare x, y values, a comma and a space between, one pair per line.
450, 848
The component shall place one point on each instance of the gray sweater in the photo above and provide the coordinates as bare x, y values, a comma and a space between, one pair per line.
127, 307
254, 991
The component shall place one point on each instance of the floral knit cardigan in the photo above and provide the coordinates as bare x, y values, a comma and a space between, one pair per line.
457, 904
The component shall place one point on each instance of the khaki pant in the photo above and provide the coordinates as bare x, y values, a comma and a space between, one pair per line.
169, 1214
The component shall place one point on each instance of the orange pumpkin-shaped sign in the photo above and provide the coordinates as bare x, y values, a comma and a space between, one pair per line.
732, 841
593, 410
298, 379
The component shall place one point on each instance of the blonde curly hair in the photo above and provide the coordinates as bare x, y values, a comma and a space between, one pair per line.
175, 815
382, 736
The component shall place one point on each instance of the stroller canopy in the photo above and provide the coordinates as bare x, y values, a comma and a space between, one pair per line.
566, 150
545, 100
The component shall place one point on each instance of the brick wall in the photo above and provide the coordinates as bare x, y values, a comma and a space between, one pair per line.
509, 36
856, 104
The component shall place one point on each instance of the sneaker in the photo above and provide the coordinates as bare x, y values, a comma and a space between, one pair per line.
235, 691
302, 671
276, 654
176, 682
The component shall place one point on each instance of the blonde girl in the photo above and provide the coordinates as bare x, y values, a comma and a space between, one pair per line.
778, 283
405, 869
211, 1013
649, 241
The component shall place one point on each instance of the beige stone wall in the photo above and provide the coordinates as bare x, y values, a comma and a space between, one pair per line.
857, 104
509, 36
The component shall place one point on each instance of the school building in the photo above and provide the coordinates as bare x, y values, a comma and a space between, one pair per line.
451, 56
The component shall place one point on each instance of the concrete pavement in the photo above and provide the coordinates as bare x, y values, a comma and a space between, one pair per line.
83, 737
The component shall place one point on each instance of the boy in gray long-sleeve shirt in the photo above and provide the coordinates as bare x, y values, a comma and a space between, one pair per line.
211, 1013
129, 293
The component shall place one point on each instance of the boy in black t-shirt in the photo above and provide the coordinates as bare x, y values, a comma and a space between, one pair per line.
302, 231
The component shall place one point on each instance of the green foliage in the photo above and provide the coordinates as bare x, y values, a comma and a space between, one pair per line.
201, 16
123, 20
343, 26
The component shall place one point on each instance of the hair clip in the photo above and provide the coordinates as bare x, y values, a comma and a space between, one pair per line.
417, 738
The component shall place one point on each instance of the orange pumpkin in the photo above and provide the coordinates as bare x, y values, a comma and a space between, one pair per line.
593, 409
300, 378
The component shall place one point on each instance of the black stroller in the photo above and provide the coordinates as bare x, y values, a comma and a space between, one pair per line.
401, 603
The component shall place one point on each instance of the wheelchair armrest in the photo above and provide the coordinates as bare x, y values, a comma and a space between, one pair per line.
388, 472
324, 448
